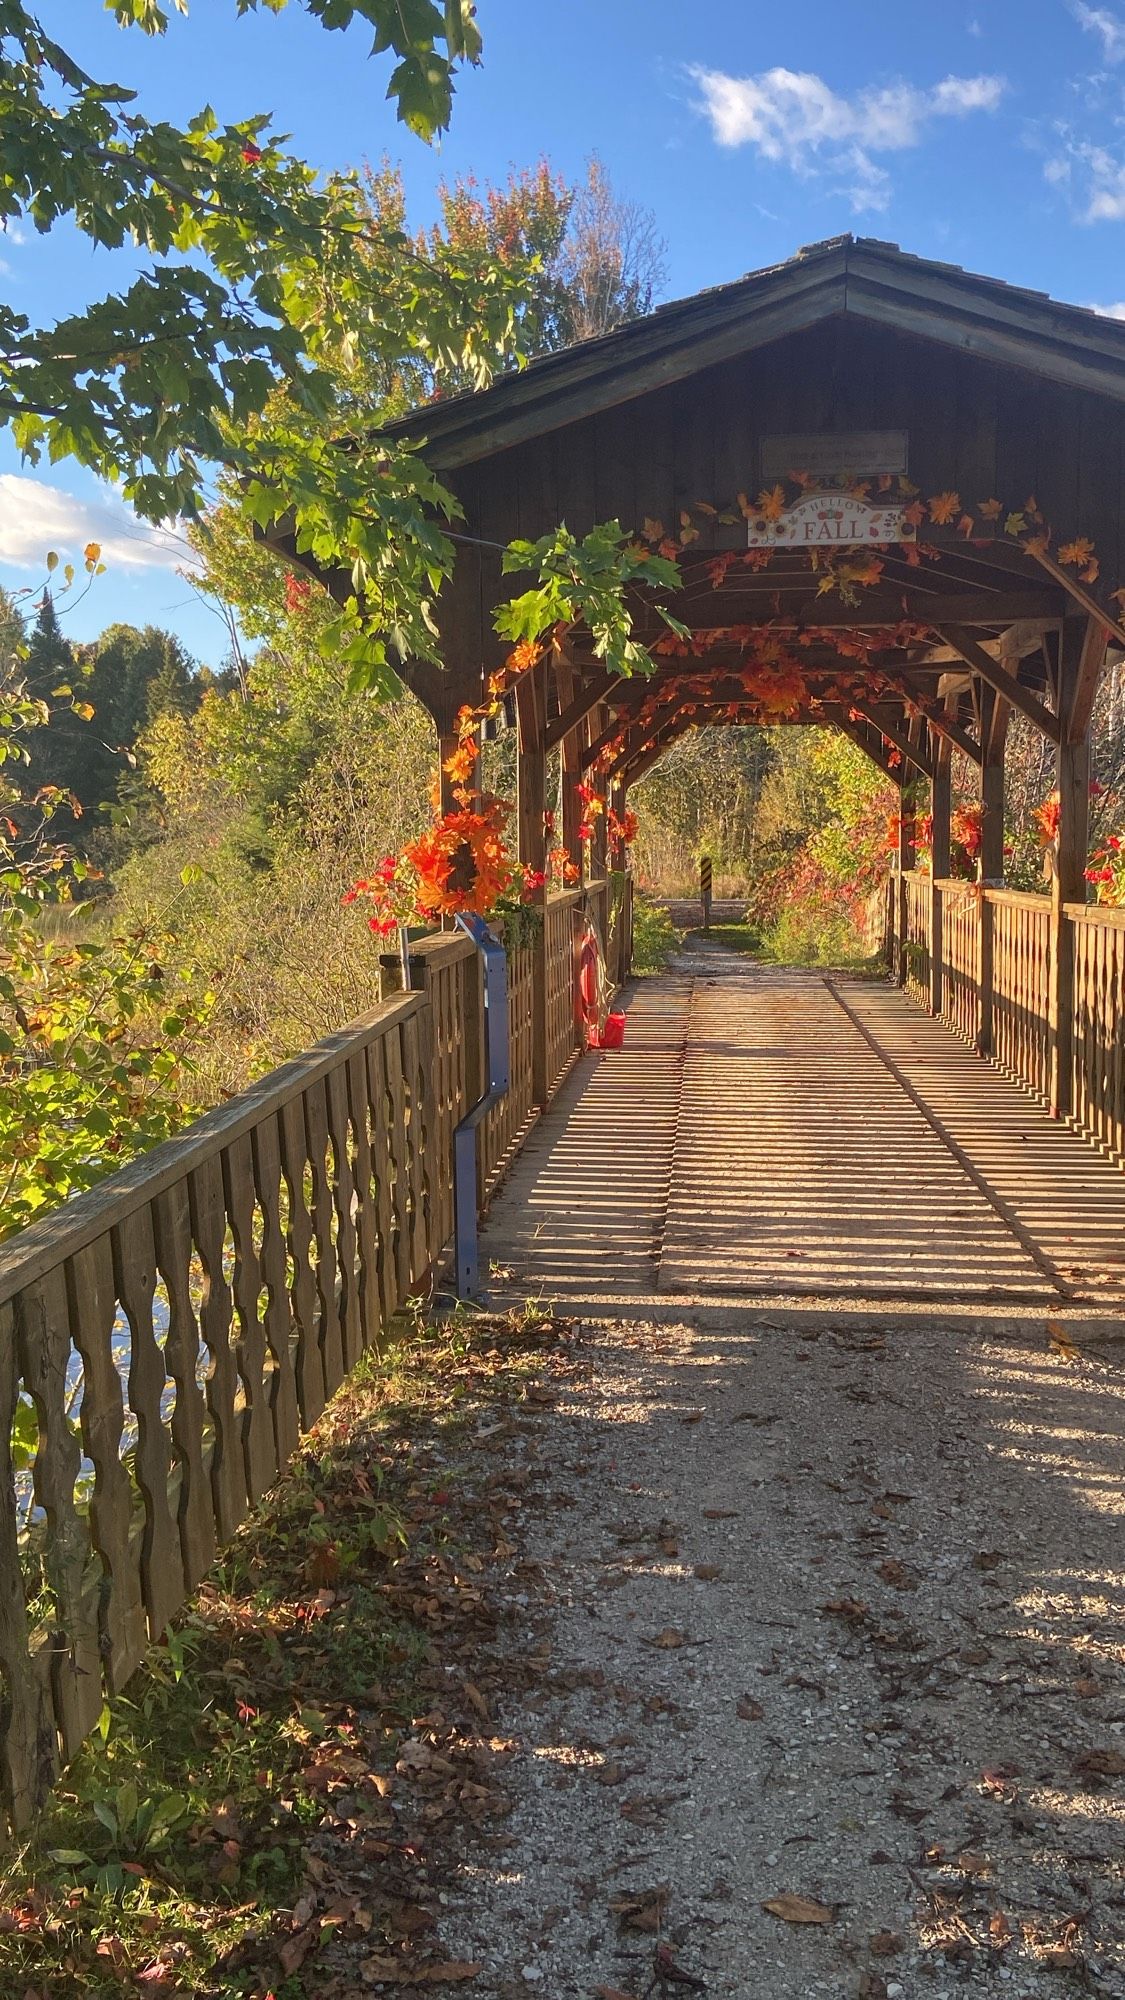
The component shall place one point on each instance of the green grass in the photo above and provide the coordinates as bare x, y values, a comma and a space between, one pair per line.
654, 938
796, 945
184, 1850
736, 937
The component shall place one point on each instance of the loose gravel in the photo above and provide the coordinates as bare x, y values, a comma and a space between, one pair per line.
820, 1605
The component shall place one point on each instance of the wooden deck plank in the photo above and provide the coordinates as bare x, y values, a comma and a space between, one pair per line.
757, 1138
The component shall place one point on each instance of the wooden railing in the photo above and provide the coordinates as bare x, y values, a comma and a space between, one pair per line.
961, 933
917, 953
1020, 1034
243, 1268
560, 942
251, 1261
1098, 1087
1004, 953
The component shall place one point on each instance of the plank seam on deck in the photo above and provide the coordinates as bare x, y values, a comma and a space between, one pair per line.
995, 1201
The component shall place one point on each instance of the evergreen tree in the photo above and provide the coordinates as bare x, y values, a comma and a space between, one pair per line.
12, 636
50, 662
57, 755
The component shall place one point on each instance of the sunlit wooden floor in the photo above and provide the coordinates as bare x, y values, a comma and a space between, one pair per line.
771, 1132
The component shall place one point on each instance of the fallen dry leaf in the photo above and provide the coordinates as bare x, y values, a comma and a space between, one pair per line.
1060, 1341
897, 1575
720, 1514
707, 1572
611, 1993
749, 1710
1101, 1763
851, 1608
296, 1949
669, 1639
885, 1944
794, 1909
972, 1863
641, 1911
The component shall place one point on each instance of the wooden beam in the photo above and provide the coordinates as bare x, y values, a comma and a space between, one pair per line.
1087, 673
940, 721
578, 707
997, 677
1080, 594
604, 736
897, 734
877, 608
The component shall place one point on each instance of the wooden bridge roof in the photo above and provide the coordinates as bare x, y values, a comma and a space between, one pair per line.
1011, 409
869, 279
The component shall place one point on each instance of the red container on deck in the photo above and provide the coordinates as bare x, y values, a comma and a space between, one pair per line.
613, 1034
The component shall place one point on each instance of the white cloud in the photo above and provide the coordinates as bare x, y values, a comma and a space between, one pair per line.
794, 118
1110, 312
1095, 175
1110, 27
35, 517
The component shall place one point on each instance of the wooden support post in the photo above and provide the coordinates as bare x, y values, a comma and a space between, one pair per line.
990, 867
571, 745
1068, 881
531, 804
907, 856
597, 849
940, 802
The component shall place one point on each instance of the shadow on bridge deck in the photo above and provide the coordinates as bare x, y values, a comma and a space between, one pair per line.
773, 1133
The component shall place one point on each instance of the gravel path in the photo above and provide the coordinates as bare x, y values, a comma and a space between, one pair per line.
820, 1605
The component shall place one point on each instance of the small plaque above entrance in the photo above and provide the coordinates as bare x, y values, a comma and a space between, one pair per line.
829, 520
835, 455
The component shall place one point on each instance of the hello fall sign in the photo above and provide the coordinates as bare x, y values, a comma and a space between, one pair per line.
830, 520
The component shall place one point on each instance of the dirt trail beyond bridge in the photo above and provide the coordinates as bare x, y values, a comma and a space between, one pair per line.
820, 1584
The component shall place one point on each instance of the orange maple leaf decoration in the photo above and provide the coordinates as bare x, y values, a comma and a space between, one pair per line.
771, 502
990, 510
943, 507
914, 515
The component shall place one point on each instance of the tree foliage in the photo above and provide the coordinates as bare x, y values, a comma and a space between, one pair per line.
95, 1027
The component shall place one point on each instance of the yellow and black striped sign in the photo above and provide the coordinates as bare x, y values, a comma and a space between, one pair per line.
705, 889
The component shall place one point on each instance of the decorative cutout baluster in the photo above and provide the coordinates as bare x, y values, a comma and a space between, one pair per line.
277, 1316
195, 1510
93, 1306
209, 1224
43, 1346
250, 1349
162, 1575
295, 1163
28, 1745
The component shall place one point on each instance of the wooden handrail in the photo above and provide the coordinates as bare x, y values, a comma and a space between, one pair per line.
1095, 913
33, 1251
1019, 899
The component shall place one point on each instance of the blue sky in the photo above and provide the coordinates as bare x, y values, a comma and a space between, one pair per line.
988, 134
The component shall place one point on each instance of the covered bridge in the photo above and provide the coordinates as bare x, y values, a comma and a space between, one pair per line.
894, 494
